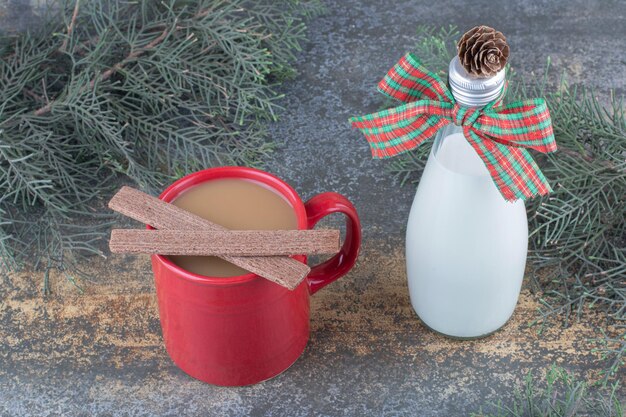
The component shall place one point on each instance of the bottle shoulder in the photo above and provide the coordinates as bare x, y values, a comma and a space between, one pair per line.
453, 152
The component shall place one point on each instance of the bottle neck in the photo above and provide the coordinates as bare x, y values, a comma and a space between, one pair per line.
471, 92
452, 151
470, 101
447, 130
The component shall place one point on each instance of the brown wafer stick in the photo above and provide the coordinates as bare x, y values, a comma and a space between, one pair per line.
157, 213
231, 242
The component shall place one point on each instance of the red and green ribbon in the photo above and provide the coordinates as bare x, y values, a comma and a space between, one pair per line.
499, 133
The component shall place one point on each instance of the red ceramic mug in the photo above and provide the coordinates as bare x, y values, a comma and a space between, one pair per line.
245, 329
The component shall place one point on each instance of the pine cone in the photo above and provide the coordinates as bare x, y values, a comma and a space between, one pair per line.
483, 51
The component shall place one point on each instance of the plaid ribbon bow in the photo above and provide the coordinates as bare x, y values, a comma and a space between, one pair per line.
499, 134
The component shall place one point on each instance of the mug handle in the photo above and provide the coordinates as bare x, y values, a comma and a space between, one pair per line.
321, 206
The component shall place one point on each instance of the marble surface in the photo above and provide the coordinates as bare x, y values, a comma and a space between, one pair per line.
101, 352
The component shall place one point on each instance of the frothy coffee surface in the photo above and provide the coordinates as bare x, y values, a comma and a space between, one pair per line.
236, 204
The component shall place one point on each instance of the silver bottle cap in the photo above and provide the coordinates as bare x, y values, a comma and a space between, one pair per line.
471, 91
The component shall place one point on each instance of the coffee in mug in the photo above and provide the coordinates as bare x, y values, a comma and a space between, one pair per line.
237, 204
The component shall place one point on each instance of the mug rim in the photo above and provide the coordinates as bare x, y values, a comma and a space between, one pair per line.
208, 174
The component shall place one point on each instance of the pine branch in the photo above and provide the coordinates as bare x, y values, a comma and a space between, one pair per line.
148, 90
558, 394
70, 27
105, 75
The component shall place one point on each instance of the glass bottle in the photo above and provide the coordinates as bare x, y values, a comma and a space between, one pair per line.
465, 244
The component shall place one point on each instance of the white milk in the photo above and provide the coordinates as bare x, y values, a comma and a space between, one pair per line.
465, 245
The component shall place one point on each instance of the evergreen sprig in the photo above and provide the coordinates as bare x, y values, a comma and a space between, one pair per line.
577, 233
144, 89
559, 394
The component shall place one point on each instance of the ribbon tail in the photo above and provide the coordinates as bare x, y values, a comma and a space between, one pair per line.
512, 169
